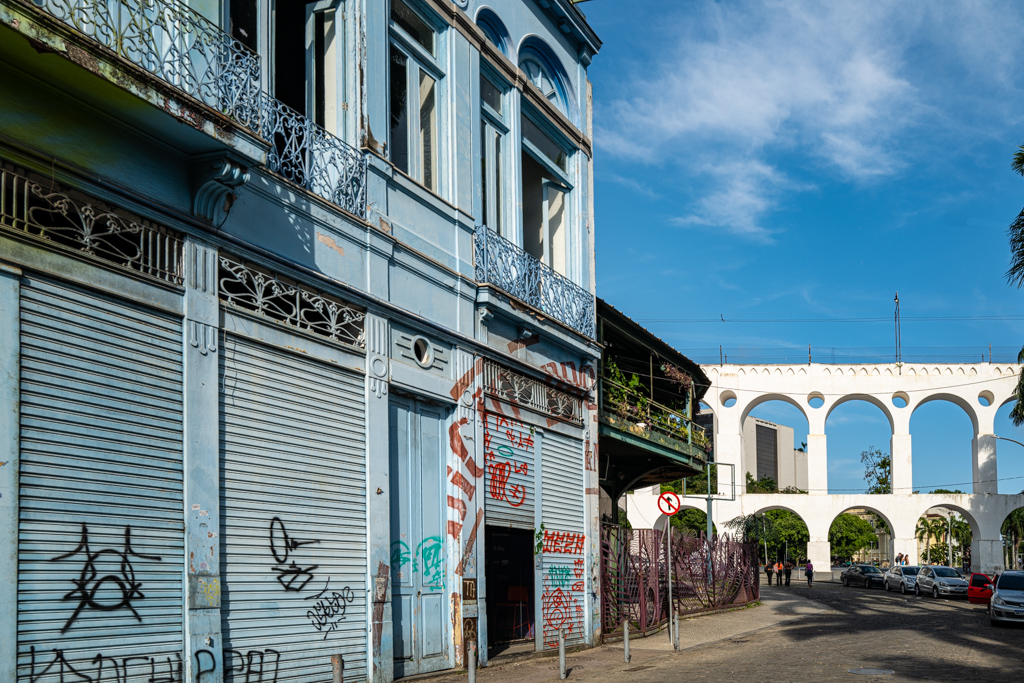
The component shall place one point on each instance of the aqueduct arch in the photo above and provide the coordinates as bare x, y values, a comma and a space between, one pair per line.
898, 391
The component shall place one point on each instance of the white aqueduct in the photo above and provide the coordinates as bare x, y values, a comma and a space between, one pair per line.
979, 389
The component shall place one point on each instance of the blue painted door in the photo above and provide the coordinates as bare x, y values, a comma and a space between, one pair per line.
419, 606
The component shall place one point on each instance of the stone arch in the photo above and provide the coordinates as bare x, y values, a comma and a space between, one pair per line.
764, 398
965, 405
868, 398
886, 517
956, 507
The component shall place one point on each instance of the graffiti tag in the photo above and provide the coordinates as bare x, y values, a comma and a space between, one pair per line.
103, 668
121, 582
329, 610
281, 547
565, 542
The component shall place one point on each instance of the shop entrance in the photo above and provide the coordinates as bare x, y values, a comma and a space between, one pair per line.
510, 594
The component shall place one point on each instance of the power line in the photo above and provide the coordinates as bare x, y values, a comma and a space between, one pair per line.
748, 321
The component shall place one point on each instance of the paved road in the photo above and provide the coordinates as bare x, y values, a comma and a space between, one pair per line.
801, 634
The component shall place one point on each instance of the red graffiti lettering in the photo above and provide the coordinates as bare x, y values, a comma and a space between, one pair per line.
470, 542
576, 587
577, 569
464, 484
500, 472
454, 528
564, 542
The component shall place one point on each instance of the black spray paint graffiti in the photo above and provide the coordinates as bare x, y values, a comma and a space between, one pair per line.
105, 669
329, 611
281, 545
89, 583
257, 666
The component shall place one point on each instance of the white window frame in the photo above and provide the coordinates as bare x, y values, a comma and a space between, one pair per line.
419, 60
563, 183
498, 124
334, 119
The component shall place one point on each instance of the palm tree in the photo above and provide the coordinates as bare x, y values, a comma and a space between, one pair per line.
1016, 277
926, 530
1013, 528
962, 534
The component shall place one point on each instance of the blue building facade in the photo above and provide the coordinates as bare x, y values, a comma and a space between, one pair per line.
297, 337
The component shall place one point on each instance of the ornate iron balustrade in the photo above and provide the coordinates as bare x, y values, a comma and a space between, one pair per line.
505, 265
510, 386
645, 417
307, 155
246, 286
174, 43
46, 212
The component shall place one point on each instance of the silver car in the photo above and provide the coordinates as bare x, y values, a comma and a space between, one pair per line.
902, 577
1007, 601
940, 581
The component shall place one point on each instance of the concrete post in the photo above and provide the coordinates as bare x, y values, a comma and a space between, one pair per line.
819, 551
817, 464
902, 461
202, 349
985, 473
10, 394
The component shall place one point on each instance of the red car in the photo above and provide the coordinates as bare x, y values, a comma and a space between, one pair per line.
979, 589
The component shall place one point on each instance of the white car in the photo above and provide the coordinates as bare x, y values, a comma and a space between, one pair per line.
902, 577
1007, 601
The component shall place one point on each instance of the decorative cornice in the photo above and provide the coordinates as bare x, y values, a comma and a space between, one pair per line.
214, 180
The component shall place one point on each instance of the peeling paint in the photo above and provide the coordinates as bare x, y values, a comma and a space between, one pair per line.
329, 241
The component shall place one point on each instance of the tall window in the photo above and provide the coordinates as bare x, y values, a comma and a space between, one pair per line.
325, 64
545, 192
493, 129
414, 75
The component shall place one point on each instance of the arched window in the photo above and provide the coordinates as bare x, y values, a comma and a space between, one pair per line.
494, 29
542, 68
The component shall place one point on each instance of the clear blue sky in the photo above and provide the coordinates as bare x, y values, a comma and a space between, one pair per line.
790, 160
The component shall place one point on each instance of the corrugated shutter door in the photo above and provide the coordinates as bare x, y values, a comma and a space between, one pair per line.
293, 516
509, 479
100, 537
564, 598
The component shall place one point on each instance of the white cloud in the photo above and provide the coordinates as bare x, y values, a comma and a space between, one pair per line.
828, 87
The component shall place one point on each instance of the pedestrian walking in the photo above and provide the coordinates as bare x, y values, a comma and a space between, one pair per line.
788, 570
769, 569
809, 570
778, 573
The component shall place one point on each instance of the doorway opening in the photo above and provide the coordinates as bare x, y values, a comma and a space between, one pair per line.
510, 593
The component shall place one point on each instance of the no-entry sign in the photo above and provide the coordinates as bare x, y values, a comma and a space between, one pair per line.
669, 503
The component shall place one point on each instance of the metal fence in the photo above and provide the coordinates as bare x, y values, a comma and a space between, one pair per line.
634, 576
854, 355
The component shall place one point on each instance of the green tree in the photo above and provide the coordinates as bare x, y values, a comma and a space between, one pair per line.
754, 528
877, 470
1012, 530
926, 530
1015, 275
848, 534
693, 522
791, 533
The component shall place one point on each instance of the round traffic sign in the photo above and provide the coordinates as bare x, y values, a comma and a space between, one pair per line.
669, 503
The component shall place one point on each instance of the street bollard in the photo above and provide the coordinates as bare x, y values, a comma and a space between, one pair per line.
561, 653
472, 662
338, 668
675, 638
625, 641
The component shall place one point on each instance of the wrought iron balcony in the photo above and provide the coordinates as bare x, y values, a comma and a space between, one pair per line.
174, 43
503, 264
308, 155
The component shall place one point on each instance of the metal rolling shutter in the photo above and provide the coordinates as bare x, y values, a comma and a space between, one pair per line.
509, 479
564, 556
101, 489
293, 516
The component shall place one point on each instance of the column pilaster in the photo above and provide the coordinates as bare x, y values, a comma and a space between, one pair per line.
10, 394
201, 344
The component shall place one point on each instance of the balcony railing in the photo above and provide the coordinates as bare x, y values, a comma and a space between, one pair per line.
308, 155
174, 43
515, 388
503, 264
184, 49
632, 411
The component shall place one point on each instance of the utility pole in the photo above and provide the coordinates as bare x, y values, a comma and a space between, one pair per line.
899, 344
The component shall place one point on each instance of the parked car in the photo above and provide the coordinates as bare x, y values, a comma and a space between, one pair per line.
862, 575
902, 577
979, 589
1007, 603
940, 580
